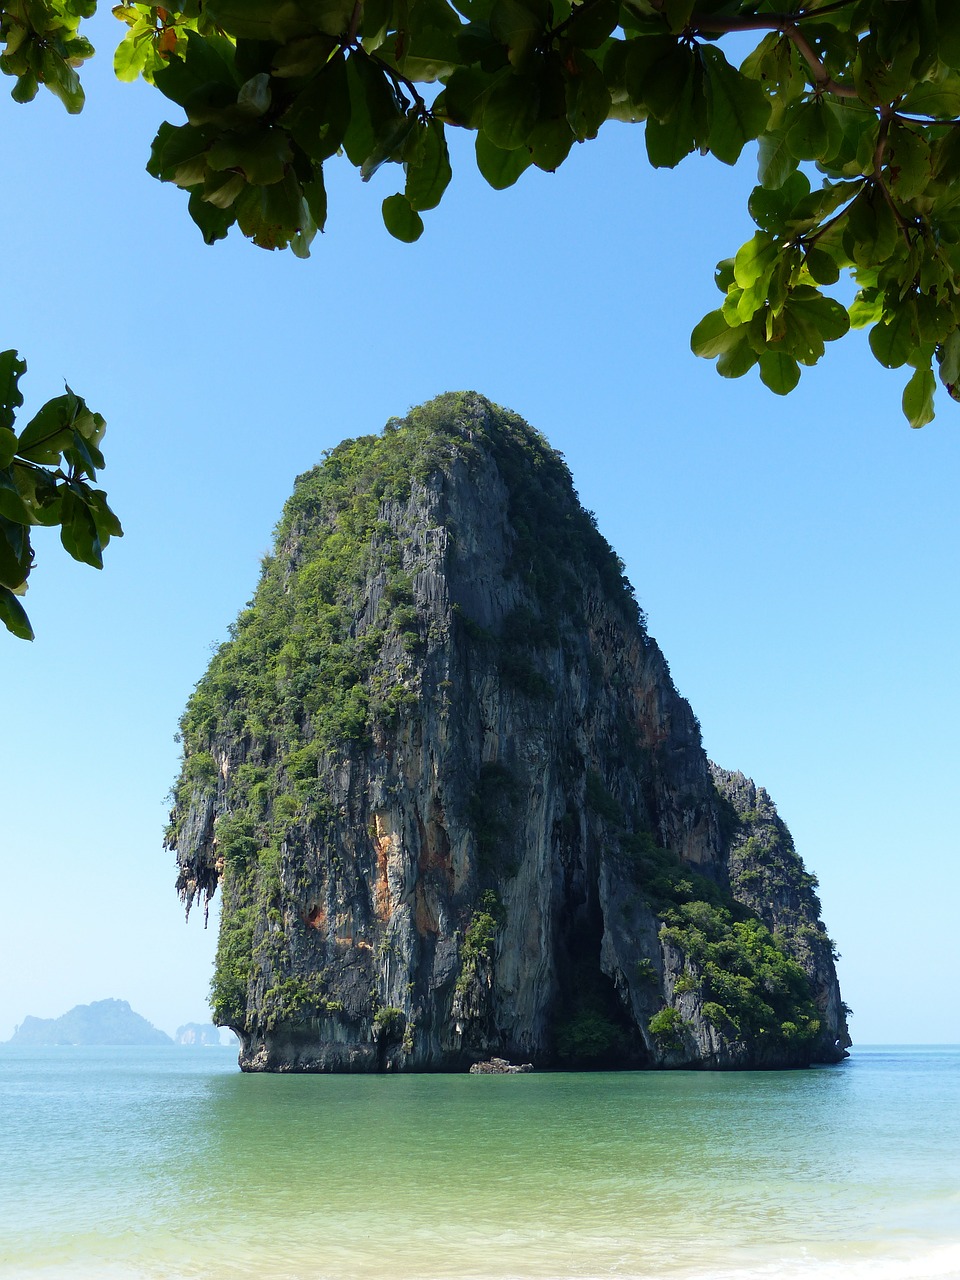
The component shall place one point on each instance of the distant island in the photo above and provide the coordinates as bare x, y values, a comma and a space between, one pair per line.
202, 1033
104, 1022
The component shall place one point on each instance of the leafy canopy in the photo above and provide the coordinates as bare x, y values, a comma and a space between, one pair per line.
45, 474
854, 106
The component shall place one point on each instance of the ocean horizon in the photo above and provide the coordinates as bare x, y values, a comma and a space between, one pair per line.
169, 1164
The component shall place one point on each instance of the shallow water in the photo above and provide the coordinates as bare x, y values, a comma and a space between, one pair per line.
167, 1163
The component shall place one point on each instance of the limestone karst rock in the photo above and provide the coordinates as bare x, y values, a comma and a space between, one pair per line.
103, 1022
454, 804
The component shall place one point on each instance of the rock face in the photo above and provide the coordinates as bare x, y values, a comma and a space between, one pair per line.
456, 807
104, 1022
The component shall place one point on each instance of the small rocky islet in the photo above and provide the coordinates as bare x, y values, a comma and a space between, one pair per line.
455, 807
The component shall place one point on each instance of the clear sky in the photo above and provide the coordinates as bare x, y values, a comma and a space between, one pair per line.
798, 558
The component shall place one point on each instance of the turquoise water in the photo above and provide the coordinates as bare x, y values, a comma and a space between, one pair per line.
167, 1163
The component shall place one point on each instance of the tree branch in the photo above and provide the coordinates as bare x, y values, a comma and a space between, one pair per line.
886, 115
786, 23
400, 79
824, 81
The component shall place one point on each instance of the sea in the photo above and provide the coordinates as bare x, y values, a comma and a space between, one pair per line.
169, 1164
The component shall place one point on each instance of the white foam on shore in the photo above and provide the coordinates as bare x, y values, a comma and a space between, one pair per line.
941, 1262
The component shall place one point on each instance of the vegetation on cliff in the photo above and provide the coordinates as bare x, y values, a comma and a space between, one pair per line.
748, 981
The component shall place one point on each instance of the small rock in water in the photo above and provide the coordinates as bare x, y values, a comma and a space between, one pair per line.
499, 1067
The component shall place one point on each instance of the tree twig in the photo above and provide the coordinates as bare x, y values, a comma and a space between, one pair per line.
886, 115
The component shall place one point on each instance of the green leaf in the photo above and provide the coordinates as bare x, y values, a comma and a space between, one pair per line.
13, 615
678, 13
16, 553
374, 22
871, 235
639, 56
866, 308
49, 431
12, 369
389, 145
329, 17
462, 101
511, 111
821, 266
666, 80
813, 208
776, 161
825, 315
429, 178
776, 64
478, 49
208, 60
272, 215
814, 133
948, 32
373, 107
520, 25
723, 276
771, 208
550, 142
62, 81
401, 219
918, 398
586, 95
25, 90
261, 155
315, 194
108, 526
712, 336
214, 222
221, 188
948, 357
133, 53
255, 96
78, 529
501, 167
755, 260
83, 457
909, 163
738, 359
674, 136
8, 446
779, 371
940, 99
302, 57
590, 23
737, 107
245, 19
881, 75
179, 154
894, 340
40, 492
12, 505
318, 117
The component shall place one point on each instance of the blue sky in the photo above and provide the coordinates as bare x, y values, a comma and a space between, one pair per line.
798, 558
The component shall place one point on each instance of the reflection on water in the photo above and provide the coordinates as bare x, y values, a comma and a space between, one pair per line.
169, 1163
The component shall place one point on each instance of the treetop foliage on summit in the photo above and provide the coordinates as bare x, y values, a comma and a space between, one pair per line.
854, 106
